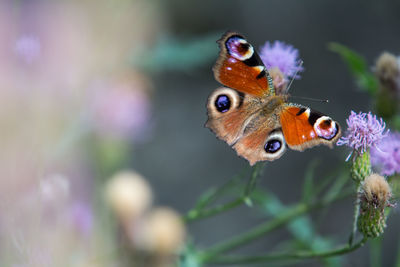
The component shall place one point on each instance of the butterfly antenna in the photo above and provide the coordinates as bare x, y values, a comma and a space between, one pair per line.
294, 76
312, 99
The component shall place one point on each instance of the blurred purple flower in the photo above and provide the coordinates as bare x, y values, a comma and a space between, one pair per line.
122, 110
81, 218
364, 131
283, 56
27, 48
54, 187
386, 155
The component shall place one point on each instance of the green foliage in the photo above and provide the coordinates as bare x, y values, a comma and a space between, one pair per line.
372, 220
305, 241
302, 228
358, 67
189, 257
361, 167
308, 185
386, 105
171, 54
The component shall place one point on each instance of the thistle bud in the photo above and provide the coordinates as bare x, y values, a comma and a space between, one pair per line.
128, 194
387, 71
373, 199
161, 232
361, 167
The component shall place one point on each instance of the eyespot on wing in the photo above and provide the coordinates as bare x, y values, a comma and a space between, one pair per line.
305, 128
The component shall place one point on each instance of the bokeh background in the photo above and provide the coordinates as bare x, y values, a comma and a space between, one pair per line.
91, 88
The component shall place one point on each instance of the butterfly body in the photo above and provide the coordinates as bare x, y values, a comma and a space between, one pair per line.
252, 116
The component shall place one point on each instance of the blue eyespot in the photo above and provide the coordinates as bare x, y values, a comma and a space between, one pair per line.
222, 103
272, 146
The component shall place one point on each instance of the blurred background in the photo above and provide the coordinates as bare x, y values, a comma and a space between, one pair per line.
98, 97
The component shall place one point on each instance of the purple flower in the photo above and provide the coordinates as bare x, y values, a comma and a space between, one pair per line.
122, 109
386, 155
81, 217
28, 48
364, 130
283, 56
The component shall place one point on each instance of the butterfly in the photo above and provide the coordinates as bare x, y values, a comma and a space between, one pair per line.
253, 115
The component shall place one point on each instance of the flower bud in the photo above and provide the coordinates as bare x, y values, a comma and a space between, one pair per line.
162, 232
387, 71
387, 67
374, 198
128, 194
361, 167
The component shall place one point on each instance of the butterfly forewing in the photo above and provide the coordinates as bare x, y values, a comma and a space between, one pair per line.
304, 128
239, 66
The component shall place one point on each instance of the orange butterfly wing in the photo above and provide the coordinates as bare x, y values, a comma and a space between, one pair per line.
304, 128
239, 66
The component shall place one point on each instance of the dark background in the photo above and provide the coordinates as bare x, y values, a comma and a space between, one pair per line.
183, 159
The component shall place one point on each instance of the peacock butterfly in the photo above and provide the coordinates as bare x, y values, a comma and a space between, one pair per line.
252, 115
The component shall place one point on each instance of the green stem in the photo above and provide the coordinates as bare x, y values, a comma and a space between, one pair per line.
398, 254
265, 228
356, 214
202, 214
220, 191
375, 248
288, 256
253, 178
199, 213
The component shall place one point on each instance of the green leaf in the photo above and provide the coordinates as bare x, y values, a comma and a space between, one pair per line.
308, 185
358, 66
301, 228
396, 123
337, 186
205, 198
268, 202
233, 186
189, 257
248, 202
170, 53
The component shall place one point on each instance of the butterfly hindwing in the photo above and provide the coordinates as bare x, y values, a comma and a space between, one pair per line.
262, 144
240, 120
228, 110
239, 66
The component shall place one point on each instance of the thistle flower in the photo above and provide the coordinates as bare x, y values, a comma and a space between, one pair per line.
122, 108
28, 48
54, 188
375, 196
81, 218
283, 56
364, 131
386, 155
